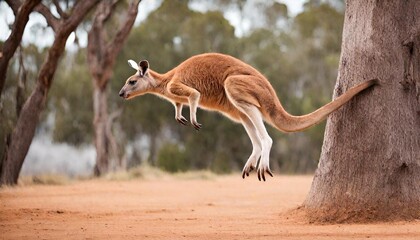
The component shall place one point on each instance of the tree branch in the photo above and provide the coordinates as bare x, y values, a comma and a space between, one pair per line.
41, 8
11, 44
101, 56
116, 44
67, 26
52, 21
60, 10
109, 7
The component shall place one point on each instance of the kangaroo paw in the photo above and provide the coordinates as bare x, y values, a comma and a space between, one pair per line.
261, 172
182, 120
197, 126
247, 170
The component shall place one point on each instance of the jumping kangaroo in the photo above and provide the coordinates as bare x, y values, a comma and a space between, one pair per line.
223, 83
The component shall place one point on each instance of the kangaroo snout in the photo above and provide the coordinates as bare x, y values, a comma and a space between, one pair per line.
122, 93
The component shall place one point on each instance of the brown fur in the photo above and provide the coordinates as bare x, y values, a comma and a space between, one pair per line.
222, 83
212, 74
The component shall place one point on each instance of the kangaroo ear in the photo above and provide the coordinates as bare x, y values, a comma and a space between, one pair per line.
144, 66
133, 64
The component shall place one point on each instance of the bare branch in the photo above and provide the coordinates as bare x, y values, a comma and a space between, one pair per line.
64, 29
116, 44
60, 10
101, 52
109, 7
41, 8
11, 44
52, 21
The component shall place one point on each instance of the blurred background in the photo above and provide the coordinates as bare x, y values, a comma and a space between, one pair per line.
295, 44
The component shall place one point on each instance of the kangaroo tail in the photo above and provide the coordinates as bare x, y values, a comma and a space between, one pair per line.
283, 121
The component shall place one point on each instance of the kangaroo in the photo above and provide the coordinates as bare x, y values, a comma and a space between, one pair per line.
225, 84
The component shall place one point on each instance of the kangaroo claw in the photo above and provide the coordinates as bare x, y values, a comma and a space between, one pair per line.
269, 172
182, 120
247, 170
261, 173
197, 126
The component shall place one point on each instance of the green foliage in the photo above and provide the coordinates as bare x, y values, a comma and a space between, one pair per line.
206, 32
275, 12
71, 101
172, 159
221, 163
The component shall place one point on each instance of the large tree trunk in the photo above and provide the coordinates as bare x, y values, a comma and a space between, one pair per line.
23, 133
21, 138
369, 167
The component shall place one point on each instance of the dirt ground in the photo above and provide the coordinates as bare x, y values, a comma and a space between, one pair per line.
225, 207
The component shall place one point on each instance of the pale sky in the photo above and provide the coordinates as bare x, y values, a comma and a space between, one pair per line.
44, 38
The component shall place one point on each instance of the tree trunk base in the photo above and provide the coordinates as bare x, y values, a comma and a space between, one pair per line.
355, 214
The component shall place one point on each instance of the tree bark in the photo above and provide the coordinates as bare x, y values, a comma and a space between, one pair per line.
23, 133
102, 53
102, 141
369, 168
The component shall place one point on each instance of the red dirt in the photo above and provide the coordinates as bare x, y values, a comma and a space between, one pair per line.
173, 208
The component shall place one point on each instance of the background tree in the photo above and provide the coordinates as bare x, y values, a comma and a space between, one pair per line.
103, 47
24, 130
370, 163
8, 48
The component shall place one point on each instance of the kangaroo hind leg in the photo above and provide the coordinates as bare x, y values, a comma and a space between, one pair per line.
266, 142
252, 161
246, 102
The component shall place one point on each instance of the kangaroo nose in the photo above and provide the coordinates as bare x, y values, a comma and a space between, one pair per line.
121, 93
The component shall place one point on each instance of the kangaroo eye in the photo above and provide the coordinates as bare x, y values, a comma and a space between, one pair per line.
132, 82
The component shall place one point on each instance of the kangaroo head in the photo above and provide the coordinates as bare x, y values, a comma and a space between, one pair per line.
139, 83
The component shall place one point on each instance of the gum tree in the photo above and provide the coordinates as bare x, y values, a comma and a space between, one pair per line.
370, 162
103, 49
20, 139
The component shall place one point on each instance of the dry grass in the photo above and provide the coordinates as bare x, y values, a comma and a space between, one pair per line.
44, 179
148, 172
141, 172
145, 172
